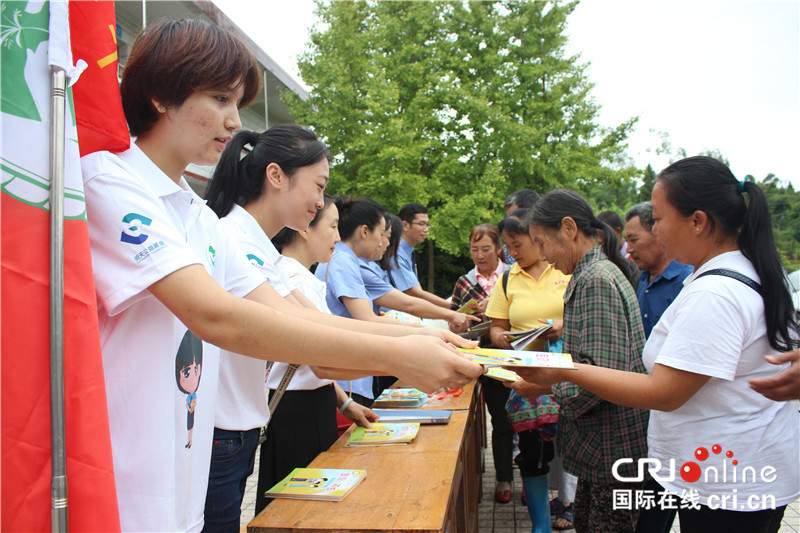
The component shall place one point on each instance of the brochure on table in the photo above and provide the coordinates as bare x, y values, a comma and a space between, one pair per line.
317, 484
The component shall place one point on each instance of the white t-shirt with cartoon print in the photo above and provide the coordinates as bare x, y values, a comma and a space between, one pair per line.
161, 381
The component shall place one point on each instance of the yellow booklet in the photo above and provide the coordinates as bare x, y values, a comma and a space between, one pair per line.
494, 357
501, 374
317, 484
380, 434
469, 308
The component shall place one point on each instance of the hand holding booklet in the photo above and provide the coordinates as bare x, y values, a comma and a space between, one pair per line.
493, 357
477, 331
469, 308
519, 340
502, 374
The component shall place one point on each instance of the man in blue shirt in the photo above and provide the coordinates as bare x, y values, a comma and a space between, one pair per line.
661, 277
404, 274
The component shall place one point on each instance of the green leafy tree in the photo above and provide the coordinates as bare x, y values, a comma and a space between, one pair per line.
455, 105
784, 207
648, 182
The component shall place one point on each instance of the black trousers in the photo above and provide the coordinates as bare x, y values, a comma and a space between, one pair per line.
496, 394
302, 426
534, 454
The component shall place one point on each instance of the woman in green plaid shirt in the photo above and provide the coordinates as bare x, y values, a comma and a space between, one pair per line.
710, 343
602, 327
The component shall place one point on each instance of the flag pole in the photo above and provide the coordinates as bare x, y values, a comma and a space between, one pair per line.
58, 486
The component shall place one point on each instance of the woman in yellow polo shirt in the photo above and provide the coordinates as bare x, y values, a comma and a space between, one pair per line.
532, 294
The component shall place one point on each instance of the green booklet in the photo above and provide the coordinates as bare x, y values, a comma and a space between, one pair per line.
380, 434
317, 484
398, 398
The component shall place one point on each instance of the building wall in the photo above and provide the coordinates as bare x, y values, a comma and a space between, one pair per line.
132, 16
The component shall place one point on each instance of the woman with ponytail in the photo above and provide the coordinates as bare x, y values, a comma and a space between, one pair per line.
169, 279
603, 327
733, 311
362, 227
304, 423
279, 182
276, 184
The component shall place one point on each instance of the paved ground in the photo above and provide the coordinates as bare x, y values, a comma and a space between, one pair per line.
510, 517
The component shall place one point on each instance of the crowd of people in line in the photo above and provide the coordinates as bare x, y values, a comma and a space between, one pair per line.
671, 328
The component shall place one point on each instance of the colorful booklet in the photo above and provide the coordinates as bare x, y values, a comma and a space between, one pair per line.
502, 374
493, 357
399, 398
413, 415
519, 340
380, 434
477, 331
469, 308
317, 484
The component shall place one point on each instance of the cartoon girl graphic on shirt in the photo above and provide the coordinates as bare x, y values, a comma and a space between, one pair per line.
188, 369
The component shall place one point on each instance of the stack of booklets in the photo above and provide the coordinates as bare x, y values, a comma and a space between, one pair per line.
380, 434
494, 359
519, 340
400, 399
477, 331
317, 484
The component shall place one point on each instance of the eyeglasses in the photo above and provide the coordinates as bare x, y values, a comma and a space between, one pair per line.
423, 224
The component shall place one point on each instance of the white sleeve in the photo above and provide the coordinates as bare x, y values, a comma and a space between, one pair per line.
705, 336
257, 257
133, 241
241, 278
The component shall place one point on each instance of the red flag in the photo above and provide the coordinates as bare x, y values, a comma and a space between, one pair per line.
98, 107
24, 285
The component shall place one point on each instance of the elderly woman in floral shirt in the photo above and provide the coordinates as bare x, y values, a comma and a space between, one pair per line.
486, 249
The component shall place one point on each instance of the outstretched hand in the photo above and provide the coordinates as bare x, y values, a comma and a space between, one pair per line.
450, 337
529, 390
541, 377
360, 415
430, 364
461, 322
785, 385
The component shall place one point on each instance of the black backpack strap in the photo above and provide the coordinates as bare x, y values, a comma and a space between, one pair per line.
733, 274
505, 282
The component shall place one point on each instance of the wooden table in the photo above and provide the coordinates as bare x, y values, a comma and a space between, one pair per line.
430, 485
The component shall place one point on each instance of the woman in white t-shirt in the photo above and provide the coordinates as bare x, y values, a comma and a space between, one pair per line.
726, 450
163, 265
304, 423
276, 184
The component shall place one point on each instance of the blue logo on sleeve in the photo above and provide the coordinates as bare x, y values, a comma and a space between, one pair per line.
255, 260
133, 233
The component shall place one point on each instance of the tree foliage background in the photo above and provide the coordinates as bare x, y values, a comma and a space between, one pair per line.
455, 105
